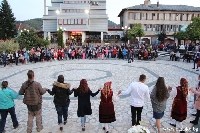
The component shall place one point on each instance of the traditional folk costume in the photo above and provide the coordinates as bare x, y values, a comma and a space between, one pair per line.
106, 107
179, 106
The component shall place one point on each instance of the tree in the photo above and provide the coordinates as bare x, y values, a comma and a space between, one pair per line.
136, 31
30, 39
162, 36
60, 38
193, 29
7, 21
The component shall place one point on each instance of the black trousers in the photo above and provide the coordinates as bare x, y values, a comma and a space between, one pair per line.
134, 111
197, 116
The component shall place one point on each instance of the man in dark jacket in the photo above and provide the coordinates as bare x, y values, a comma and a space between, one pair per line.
4, 56
33, 92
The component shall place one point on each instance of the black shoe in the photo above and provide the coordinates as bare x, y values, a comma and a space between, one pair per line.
194, 122
197, 70
194, 114
182, 131
16, 127
83, 128
65, 122
172, 124
104, 128
193, 68
61, 128
107, 132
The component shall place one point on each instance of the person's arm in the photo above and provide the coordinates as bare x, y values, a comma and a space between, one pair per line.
153, 93
115, 98
76, 92
93, 94
41, 90
127, 91
22, 90
13, 94
98, 96
69, 92
52, 92
147, 95
173, 93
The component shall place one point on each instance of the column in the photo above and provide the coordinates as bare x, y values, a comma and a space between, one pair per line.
101, 37
49, 35
83, 36
64, 37
45, 34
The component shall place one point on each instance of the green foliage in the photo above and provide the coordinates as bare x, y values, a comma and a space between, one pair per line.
8, 46
136, 31
162, 36
60, 38
30, 39
193, 29
181, 35
7, 22
33, 23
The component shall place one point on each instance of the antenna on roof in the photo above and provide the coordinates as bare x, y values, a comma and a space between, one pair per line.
158, 3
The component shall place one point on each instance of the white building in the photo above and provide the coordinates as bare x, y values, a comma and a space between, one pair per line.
79, 19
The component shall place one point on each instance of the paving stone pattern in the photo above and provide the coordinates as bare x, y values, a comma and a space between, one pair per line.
97, 72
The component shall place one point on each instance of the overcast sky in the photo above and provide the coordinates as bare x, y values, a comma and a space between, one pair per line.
29, 9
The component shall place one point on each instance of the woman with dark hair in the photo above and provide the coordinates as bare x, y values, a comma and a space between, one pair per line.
7, 105
159, 96
61, 92
83, 93
179, 106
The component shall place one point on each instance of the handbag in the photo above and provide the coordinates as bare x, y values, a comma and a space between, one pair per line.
197, 103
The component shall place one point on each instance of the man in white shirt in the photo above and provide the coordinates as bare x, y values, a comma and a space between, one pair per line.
139, 91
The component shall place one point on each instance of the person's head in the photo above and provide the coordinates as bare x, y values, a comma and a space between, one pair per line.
161, 89
30, 75
107, 85
142, 78
184, 83
4, 84
83, 87
60, 79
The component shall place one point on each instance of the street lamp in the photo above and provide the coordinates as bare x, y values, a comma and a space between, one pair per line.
87, 11
125, 30
57, 11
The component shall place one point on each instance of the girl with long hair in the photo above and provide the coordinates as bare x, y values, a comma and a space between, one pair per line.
83, 93
159, 96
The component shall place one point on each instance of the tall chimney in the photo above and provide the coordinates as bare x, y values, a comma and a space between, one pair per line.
158, 3
147, 2
45, 5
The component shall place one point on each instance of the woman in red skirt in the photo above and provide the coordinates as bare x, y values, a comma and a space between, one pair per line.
106, 107
179, 106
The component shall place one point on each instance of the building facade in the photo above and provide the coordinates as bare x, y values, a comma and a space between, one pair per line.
79, 19
156, 18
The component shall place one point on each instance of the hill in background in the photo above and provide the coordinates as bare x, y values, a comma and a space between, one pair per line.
37, 23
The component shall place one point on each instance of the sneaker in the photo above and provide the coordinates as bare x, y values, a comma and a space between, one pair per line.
197, 70
39, 129
83, 128
104, 128
194, 114
16, 127
194, 122
61, 128
172, 124
65, 122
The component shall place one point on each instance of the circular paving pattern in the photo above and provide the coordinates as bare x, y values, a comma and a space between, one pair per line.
97, 72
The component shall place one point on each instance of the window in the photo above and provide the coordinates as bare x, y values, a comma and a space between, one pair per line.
166, 16
132, 16
65, 21
161, 16
149, 16
60, 21
137, 16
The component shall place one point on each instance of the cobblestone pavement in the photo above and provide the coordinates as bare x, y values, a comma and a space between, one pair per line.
97, 72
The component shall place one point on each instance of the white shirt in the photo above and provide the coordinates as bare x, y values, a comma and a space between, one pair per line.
139, 91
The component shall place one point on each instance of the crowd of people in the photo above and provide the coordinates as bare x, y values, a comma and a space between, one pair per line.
41, 54
139, 91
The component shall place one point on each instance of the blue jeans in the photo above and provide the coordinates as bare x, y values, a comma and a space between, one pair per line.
62, 110
83, 120
4, 113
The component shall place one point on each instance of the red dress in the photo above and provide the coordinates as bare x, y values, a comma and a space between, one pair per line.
179, 106
106, 109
